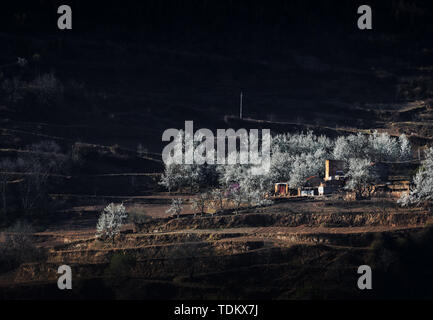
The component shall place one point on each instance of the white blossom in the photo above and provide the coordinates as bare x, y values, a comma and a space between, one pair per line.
422, 190
175, 208
111, 220
362, 177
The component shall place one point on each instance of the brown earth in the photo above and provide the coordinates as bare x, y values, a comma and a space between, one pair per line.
191, 253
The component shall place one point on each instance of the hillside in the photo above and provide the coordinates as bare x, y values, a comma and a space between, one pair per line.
105, 92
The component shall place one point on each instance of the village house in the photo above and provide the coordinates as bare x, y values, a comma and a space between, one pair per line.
310, 187
282, 189
335, 169
335, 180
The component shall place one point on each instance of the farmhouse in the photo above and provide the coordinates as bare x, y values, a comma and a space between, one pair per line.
335, 169
393, 180
314, 185
331, 186
311, 186
283, 189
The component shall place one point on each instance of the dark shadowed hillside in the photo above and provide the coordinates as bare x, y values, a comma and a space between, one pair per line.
82, 113
129, 73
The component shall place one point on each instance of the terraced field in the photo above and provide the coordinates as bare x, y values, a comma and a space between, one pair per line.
254, 254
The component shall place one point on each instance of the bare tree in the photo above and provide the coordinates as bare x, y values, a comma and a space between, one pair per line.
218, 197
40, 162
200, 202
6, 167
237, 197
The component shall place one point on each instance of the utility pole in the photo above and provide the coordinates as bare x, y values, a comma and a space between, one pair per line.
240, 106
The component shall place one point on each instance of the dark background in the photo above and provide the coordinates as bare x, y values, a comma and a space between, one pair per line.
225, 18
131, 69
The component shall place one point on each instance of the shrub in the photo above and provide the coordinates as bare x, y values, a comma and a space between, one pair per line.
175, 208
47, 88
119, 269
120, 266
19, 247
138, 219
